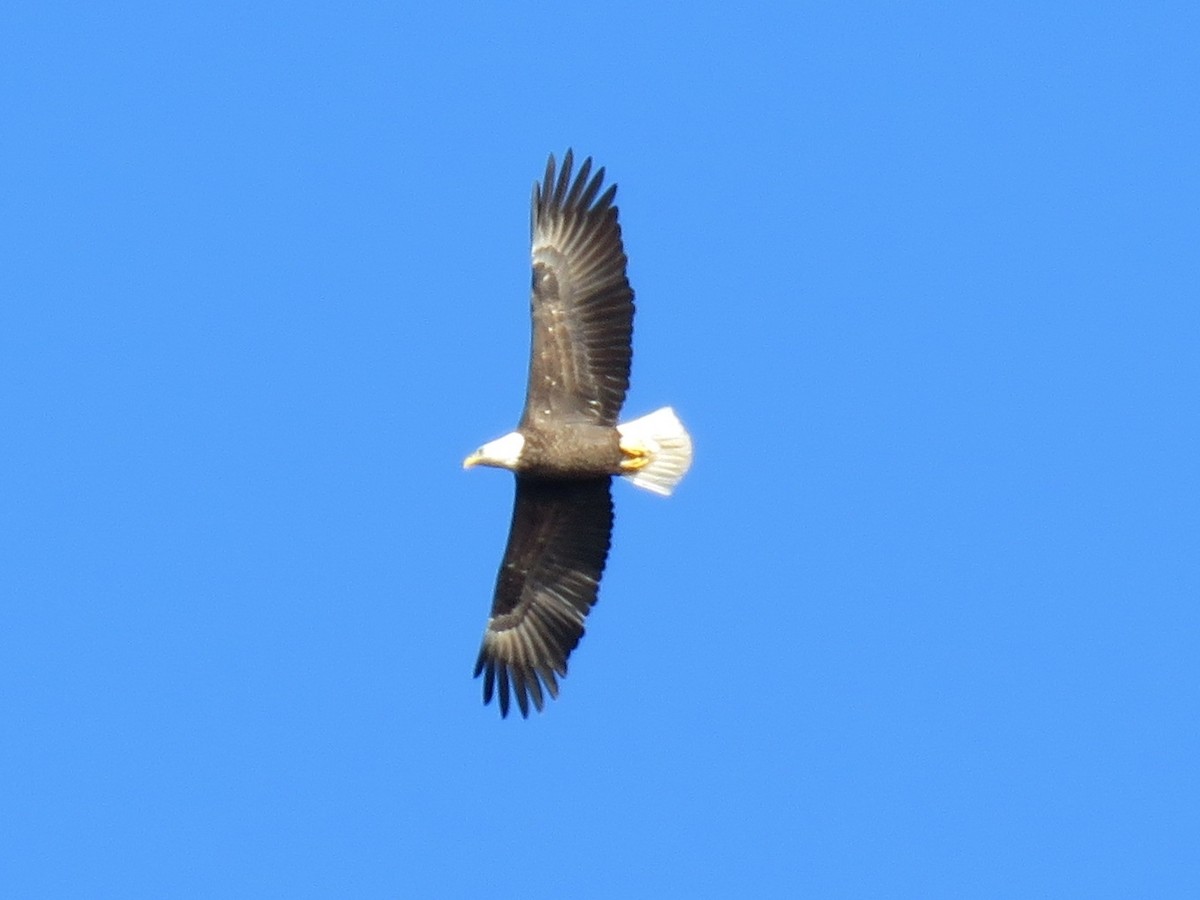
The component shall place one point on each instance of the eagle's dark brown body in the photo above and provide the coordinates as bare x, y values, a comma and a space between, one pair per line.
572, 451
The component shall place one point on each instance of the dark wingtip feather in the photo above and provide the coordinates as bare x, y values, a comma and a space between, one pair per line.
573, 198
547, 674
547, 184
535, 688
503, 673
564, 178
519, 688
593, 188
607, 199
489, 683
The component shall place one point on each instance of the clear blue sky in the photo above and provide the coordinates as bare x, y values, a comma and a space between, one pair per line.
922, 621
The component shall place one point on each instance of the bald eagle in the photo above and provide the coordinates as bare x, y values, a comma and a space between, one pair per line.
568, 445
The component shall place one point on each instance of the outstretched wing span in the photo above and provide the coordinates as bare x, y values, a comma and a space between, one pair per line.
547, 584
582, 304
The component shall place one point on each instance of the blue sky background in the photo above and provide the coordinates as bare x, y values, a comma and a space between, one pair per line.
922, 620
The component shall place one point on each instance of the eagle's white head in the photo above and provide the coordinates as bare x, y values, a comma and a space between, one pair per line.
503, 452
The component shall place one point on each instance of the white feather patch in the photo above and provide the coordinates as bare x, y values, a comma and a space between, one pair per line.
663, 436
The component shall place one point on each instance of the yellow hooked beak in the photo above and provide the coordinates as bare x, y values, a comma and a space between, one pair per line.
472, 460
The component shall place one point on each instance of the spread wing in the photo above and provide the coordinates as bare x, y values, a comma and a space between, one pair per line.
547, 584
582, 304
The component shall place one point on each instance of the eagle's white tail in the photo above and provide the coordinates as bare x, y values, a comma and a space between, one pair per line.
667, 446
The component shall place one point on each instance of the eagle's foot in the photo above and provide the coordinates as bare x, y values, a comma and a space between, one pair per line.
637, 455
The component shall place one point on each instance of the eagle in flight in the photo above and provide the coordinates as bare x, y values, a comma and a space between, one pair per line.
568, 445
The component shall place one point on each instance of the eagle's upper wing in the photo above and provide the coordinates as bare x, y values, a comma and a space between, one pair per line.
582, 304
547, 584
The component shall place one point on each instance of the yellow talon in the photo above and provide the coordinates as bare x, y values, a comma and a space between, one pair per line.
636, 457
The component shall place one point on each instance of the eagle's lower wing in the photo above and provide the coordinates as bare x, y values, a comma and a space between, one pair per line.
582, 304
547, 584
